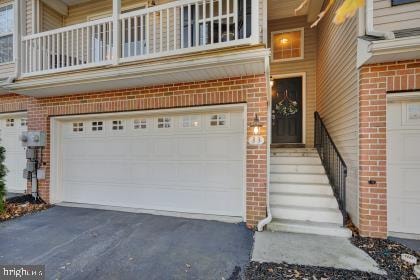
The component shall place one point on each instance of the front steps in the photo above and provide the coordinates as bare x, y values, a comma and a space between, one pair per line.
301, 198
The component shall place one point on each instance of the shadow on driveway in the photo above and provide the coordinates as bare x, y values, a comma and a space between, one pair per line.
78, 243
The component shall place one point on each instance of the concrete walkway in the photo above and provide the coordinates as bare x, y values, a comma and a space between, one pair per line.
314, 250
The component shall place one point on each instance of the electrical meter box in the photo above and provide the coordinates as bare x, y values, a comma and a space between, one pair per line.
33, 138
30, 153
27, 175
31, 166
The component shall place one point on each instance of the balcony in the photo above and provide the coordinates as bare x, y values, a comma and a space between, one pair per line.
176, 28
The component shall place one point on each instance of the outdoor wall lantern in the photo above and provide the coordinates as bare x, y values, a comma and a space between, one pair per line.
256, 138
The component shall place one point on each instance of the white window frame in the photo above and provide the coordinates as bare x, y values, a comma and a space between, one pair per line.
164, 122
95, 128
141, 121
9, 33
78, 125
302, 40
119, 126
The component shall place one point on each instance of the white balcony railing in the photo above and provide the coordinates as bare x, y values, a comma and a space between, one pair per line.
178, 27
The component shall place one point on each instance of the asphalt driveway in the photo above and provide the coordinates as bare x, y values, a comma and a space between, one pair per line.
78, 243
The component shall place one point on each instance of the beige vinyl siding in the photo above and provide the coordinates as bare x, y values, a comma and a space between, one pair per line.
306, 65
337, 94
391, 18
97, 8
28, 9
6, 69
50, 19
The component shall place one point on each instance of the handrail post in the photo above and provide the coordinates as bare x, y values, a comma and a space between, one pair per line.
116, 31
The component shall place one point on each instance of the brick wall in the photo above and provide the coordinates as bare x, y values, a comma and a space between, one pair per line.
13, 103
251, 90
375, 81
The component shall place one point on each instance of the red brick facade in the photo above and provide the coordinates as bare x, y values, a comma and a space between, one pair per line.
251, 90
375, 81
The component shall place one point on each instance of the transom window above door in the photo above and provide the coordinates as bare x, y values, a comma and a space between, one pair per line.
287, 45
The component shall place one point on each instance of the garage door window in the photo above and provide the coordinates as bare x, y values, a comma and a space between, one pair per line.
190, 121
10, 122
218, 120
78, 127
24, 122
140, 124
98, 126
117, 125
164, 122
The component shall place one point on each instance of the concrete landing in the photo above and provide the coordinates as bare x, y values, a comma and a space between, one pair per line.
314, 250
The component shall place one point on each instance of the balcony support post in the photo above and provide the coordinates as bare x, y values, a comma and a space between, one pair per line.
255, 21
116, 31
17, 35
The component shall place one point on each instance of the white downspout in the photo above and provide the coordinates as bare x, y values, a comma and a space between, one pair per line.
369, 28
268, 219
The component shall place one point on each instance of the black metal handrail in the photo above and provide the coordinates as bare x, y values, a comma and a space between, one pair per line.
333, 162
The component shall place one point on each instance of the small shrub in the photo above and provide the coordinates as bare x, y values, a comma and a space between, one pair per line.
3, 172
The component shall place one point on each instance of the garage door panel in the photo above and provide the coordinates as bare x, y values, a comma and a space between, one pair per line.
401, 213
224, 147
96, 170
191, 149
182, 200
181, 168
11, 128
403, 171
407, 180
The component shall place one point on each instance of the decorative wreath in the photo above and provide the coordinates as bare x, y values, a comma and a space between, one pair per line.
286, 107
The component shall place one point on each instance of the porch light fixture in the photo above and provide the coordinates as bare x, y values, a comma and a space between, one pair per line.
284, 41
256, 139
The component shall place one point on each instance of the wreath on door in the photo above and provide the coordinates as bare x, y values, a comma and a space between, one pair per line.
287, 106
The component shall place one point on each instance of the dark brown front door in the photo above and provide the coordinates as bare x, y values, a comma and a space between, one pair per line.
287, 111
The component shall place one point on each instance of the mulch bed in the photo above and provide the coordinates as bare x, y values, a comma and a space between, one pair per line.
271, 271
21, 206
387, 254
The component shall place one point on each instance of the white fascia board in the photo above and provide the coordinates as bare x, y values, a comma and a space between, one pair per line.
388, 50
122, 72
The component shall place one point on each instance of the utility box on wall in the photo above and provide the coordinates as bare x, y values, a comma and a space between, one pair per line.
34, 139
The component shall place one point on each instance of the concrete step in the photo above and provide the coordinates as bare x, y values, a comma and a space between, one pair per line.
297, 199
298, 178
294, 153
309, 228
312, 214
297, 168
301, 188
295, 160
293, 150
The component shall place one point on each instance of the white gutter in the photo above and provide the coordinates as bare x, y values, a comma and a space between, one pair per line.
369, 28
269, 217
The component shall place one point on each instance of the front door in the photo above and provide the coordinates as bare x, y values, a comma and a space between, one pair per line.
287, 111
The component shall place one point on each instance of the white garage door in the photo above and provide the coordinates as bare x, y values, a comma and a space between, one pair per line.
403, 123
11, 127
191, 162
